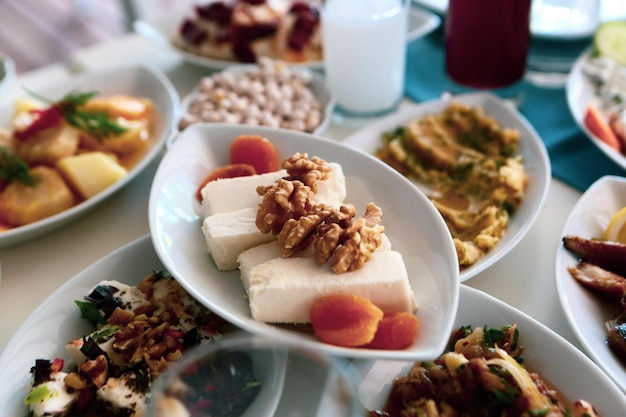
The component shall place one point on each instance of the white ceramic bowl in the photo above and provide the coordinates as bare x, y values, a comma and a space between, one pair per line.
160, 29
562, 365
7, 73
533, 151
138, 80
580, 92
317, 86
586, 312
412, 224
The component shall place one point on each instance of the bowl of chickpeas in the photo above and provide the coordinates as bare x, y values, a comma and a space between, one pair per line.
267, 93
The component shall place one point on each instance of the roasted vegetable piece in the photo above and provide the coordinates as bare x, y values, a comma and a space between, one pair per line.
22, 204
608, 255
599, 280
617, 341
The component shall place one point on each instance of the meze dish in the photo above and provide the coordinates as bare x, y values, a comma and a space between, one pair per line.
478, 161
58, 130
207, 263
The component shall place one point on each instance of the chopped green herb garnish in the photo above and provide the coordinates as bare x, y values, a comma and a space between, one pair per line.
12, 168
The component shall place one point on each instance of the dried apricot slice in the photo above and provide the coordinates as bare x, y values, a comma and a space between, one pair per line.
226, 171
395, 331
345, 319
255, 150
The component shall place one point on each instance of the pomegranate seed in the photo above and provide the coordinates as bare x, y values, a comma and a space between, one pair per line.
217, 12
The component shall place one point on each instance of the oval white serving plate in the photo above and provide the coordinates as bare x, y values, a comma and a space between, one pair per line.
412, 224
580, 92
533, 151
317, 85
57, 320
161, 28
586, 312
138, 80
572, 373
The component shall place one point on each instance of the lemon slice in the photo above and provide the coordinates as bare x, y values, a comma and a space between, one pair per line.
616, 230
610, 40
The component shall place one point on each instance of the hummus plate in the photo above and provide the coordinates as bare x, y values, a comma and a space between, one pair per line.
531, 149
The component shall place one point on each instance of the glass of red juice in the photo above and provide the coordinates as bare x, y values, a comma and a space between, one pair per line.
486, 45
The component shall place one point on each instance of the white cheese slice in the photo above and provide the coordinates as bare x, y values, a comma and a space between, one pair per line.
58, 399
121, 394
233, 194
230, 233
282, 290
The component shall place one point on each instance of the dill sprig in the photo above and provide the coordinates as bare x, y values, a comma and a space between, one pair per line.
93, 122
12, 168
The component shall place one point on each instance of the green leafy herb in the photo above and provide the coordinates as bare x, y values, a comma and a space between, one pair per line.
12, 168
90, 312
96, 123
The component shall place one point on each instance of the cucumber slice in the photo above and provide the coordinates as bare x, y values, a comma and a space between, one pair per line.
610, 40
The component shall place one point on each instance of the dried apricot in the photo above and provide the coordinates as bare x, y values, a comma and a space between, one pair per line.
345, 319
255, 150
395, 331
226, 171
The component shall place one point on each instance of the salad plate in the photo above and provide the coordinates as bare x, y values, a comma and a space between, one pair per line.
586, 312
58, 320
581, 92
566, 368
161, 28
138, 80
413, 226
532, 150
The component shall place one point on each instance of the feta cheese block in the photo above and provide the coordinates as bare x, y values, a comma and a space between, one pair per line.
232, 194
229, 233
282, 290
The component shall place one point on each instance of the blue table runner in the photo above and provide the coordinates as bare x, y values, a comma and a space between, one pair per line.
574, 158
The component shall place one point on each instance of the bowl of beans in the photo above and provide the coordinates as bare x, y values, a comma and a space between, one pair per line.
268, 93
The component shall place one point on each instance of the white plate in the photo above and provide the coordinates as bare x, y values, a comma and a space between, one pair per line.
7, 72
139, 80
57, 320
581, 92
317, 86
532, 149
414, 227
586, 312
161, 28
554, 358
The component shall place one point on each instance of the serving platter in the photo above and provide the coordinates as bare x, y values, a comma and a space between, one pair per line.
413, 226
7, 73
580, 92
160, 28
136, 79
586, 312
572, 373
532, 150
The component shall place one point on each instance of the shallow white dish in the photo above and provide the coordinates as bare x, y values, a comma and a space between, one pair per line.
139, 80
7, 73
580, 93
532, 149
161, 28
317, 86
572, 373
586, 312
414, 227
57, 320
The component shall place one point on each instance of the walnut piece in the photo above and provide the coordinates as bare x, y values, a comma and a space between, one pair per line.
282, 201
309, 172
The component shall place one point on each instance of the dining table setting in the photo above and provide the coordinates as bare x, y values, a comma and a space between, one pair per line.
160, 219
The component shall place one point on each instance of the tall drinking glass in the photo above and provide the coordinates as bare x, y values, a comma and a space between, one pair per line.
364, 53
486, 45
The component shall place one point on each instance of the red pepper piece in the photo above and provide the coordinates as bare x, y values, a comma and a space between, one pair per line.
45, 119
56, 365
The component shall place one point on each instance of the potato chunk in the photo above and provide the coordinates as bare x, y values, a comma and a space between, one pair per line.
21, 204
49, 145
90, 173
121, 105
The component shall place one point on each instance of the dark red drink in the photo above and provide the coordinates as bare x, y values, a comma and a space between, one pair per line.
487, 42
